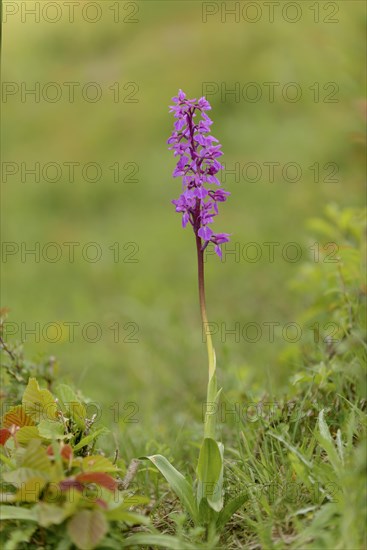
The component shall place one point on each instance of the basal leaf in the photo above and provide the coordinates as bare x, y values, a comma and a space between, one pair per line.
177, 482
210, 472
231, 508
210, 419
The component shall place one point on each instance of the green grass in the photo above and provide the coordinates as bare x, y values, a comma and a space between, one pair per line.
297, 456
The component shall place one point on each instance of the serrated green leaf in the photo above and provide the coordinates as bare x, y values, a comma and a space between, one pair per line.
38, 404
51, 429
35, 457
66, 395
21, 475
49, 514
26, 434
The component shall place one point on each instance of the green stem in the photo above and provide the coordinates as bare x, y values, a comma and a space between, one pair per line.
204, 319
210, 415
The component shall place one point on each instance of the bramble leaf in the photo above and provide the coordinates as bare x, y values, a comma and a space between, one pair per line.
25, 434
36, 458
49, 514
51, 429
38, 404
18, 417
100, 478
87, 528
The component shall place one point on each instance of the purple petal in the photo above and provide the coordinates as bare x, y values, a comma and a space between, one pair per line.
218, 251
205, 233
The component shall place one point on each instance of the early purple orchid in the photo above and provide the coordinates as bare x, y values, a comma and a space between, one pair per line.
197, 165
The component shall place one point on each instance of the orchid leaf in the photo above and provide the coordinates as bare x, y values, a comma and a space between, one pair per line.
177, 482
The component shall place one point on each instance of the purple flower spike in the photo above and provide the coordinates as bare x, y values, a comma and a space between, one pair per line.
198, 152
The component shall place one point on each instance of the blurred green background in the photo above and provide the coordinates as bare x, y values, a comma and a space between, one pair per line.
170, 47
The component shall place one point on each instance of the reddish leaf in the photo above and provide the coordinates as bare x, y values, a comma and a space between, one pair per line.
69, 483
50, 451
100, 478
102, 503
18, 417
4, 436
67, 452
